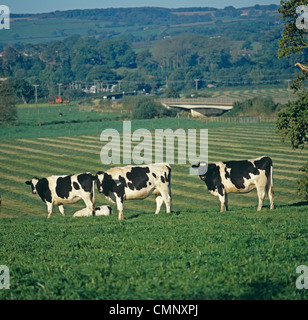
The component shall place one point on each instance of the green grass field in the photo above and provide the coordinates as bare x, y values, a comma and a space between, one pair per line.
193, 253
279, 94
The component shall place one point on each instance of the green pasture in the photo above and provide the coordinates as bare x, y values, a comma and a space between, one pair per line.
193, 253
46, 30
277, 93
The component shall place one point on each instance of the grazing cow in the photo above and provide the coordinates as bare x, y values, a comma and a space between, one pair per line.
136, 182
99, 211
58, 190
243, 176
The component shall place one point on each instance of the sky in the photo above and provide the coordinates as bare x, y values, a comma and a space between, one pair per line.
38, 6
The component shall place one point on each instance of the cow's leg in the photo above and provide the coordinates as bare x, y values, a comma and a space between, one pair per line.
49, 208
223, 199
89, 204
159, 202
271, 197
261, 195
167, 200
119, 202
165, 193
226, 201
61, 209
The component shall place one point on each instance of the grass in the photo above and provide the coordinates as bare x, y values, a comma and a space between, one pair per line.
279, 95
197, 254
193, 253
46, 30
45, 121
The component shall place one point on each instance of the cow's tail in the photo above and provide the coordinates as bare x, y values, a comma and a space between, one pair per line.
93, 195
169, 179
270, 186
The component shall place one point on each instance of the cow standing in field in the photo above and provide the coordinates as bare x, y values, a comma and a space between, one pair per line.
243, 176
59, 190
136, 182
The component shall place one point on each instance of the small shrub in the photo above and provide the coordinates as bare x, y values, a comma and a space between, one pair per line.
258, 106
148, 108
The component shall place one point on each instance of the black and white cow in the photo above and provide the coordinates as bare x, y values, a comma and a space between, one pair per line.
103, 211
243, 176
99, 211
59, 190
136, 182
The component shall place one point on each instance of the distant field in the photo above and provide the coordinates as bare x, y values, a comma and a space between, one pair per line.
47, 30
193, 253
281, 95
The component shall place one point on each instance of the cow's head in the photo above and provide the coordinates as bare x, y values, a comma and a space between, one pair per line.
33, 183
100, 181
202, 169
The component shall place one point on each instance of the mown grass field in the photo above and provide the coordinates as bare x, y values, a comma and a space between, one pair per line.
277, 94
193, 253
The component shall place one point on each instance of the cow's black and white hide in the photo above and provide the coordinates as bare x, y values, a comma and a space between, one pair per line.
99, 211
59, 190
136, 182
242, 176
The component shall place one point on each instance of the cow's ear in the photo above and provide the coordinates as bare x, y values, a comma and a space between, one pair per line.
28, 182
196, 165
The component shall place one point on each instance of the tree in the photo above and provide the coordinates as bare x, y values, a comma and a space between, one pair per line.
294, 39
292, 122
117, 53
148, 108
101, 73
247, 45
145, 61
8, 110
172, 93
23, 90
256, 106
10, 59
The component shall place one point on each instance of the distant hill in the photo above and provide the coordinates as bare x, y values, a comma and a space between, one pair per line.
142, 25
155, 15
144, 49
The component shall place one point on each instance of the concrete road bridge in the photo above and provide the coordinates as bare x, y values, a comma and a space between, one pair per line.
200, 106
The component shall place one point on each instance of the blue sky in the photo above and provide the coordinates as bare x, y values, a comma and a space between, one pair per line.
36, 6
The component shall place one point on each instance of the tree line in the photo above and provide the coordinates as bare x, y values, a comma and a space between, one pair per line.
185, 62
